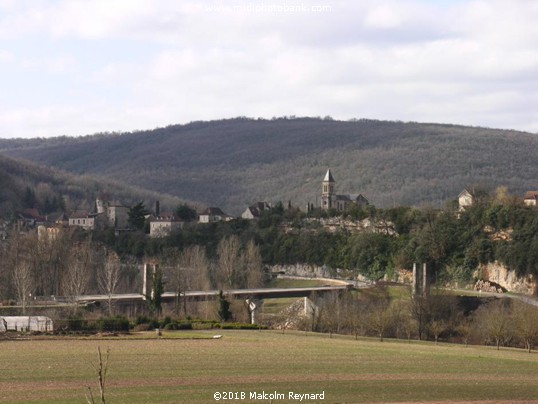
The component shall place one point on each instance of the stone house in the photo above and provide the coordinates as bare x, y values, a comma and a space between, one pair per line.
214, 214
531, 198
30, 218
331, 200
465, 199
255, 211
84, 219
117, 216
164, 225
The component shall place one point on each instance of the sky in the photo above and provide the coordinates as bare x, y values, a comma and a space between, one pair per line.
77, 67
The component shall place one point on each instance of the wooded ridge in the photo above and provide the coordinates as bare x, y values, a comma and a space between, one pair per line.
235, 162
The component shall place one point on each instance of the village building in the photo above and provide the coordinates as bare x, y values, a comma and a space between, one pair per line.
531, 198
83, 219
465, 199
30, 218
47, 233
116, 214
331, 200
214, 214
254, 212
164, 225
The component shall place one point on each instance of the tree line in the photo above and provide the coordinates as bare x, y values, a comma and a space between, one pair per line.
454, 243
440, 316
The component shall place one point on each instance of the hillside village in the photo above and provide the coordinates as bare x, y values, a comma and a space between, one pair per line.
108, 213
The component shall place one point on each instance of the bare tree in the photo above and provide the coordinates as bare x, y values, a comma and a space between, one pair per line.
53, 251
101, 369
196, 260
380, 318
252, 261
21, 260
23, 279
437, 327
230, 273
526, 324
494, 320
464, 329
108, 277
188, 270
419, 311
77, 276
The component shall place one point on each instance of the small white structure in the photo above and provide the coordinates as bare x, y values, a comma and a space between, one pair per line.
26, 323
531, 198
465, 199
213, 214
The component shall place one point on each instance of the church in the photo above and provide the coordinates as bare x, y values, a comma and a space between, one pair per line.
330, 200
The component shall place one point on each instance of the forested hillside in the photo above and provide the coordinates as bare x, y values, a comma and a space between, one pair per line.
26, 185
233, 163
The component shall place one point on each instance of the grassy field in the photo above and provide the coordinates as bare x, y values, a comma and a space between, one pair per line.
176, 369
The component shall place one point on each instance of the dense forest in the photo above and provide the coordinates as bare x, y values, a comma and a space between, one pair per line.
51, 191
233, 163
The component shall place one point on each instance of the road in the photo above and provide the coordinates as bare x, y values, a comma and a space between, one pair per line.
262, 293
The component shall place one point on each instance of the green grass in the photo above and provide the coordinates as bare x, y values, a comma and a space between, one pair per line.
183, 370
276, 305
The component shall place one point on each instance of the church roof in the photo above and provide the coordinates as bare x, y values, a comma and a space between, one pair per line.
328, 176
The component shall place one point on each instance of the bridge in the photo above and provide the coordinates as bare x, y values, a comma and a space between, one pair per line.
261, 293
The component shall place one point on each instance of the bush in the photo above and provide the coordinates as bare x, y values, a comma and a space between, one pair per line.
142, 327
178, 325
117, 323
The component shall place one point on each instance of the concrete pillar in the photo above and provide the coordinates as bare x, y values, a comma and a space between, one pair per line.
414, 282
145, 282
425, 280
147, 277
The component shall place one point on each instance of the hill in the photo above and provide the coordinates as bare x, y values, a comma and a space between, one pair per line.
27, 185
233, 163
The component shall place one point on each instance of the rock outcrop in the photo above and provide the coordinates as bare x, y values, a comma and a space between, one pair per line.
501, 275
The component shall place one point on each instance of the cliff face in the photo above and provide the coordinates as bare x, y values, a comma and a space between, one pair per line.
498, 273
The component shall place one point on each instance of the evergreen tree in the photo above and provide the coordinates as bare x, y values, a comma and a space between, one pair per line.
137, 215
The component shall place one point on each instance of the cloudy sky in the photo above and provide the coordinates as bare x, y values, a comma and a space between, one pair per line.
74, 67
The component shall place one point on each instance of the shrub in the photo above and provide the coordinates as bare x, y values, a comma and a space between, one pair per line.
117, 323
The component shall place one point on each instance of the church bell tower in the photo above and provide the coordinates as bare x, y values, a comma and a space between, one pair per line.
327, 192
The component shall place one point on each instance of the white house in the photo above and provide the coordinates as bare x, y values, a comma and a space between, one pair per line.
531, 198
213, 214
465, 199
163, 226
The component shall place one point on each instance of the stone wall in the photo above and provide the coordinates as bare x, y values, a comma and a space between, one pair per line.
303, 270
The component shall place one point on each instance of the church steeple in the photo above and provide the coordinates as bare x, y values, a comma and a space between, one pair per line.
327, 191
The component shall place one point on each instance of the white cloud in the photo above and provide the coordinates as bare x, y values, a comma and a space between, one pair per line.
142, 63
